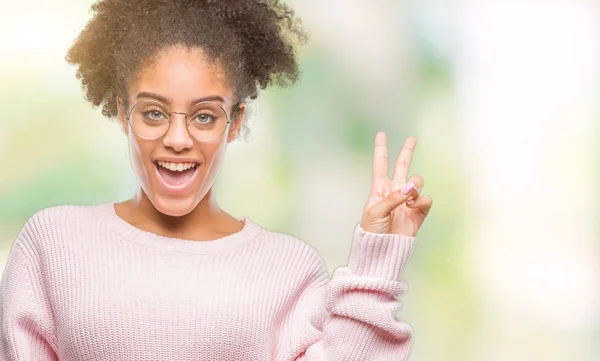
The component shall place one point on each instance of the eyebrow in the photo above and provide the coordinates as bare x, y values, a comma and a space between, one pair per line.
165, 100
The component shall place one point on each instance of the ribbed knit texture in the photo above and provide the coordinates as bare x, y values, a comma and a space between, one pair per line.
83, 284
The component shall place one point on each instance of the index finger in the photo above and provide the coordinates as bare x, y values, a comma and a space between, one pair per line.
380, 157
404, 159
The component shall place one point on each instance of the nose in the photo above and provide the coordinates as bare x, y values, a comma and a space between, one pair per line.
178, 136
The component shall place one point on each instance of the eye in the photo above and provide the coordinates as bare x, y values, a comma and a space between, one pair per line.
154, 114
203, 118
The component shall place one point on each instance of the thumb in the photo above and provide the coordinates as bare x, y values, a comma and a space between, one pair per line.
389, 203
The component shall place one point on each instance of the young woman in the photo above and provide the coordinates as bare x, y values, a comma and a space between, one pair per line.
167, 274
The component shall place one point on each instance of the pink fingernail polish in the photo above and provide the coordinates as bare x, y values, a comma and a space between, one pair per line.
408, 187
410, 201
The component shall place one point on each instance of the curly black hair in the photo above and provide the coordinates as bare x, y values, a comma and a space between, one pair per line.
253, 40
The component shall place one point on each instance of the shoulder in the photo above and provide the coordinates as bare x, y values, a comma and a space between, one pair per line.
294, 251
50, 224
294, 243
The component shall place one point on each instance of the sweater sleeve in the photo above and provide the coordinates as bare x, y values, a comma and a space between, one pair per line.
352, 315
25, 331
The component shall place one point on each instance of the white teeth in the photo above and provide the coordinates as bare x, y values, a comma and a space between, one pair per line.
176, 166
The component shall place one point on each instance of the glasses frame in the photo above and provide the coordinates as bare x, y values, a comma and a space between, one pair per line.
187, 122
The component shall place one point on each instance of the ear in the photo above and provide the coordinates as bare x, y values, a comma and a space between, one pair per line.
236, 122
121, 114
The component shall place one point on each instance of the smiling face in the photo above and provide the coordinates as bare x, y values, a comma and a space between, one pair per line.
177, 79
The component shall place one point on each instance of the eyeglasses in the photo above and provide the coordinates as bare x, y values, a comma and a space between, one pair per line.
205, 121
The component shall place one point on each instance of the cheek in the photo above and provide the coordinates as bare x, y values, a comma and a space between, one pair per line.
213, 161
214, 153
139, 155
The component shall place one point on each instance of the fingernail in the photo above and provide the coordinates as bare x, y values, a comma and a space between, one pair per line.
408, 187
410, 201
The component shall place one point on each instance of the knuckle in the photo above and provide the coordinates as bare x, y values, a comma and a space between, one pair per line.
403, 163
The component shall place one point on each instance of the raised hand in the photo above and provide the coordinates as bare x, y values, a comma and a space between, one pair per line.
387, 209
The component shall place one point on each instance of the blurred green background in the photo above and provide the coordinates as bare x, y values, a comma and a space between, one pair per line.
501, 95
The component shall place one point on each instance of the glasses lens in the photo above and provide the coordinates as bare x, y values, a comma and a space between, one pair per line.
207, 121
149, 119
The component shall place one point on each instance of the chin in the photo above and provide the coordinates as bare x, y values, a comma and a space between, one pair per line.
174, 207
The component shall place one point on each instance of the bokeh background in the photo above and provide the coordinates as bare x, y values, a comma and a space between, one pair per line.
502, 96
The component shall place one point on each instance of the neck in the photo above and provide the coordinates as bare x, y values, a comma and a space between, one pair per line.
202, 221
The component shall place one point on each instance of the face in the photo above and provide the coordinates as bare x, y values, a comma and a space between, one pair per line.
180, 77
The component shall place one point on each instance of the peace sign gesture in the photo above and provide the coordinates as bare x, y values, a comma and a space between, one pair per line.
386, 210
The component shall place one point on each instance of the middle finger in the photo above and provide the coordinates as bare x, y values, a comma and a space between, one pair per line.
404, 159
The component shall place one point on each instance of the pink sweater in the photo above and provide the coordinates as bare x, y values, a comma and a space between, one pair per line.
83, 284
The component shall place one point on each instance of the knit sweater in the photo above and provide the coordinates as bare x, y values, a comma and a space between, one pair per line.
82, 284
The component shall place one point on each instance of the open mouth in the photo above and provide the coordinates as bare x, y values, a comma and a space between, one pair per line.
176, 175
